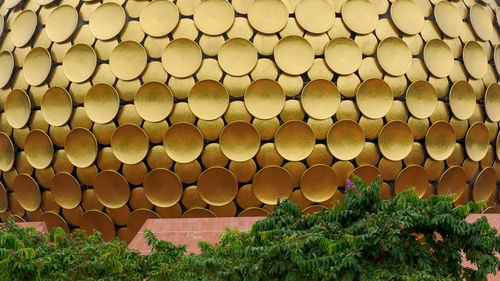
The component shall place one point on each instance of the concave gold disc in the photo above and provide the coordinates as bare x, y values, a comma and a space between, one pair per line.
343, 55
407, 16
198, 213
111, 189
475, 60
81, 147
395, 140
476, 141
61, 23
318, 183
53, 220
7, 152
360, 16
481, 21
94, 220
154, 100
485, 185
37, 66
448, 19
394, 56
294, 140
6, 67
101, 103
158, 18
208, 99
440, 141
239, 141
421, 99
264, 98
23, 27
367, 173
228, 210
438, 57
237, 56
413, 176
315, 16
462, 100
57, 106
214, 17
191, 198
345, 139
27, 192
128, 60
272, 183
181, 57
137, 219
492, 102
246, 198
320, 99
107, 20
217, 186
254, 212
66, 190
17, 108
129, 143
374, 98
452, 181
39, 149
183, 142
79, 63
294, 55
89, 201
4, 200
267, 16
162, 187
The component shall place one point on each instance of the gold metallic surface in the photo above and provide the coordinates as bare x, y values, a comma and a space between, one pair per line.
7, 152
272, 183
345, 140
421, 99
412, 176
476, 141
81, 147
318, 183
452, 181
94, 220
128, 60
239, 141
39, 149
294, 55
395, 140
107, 21
66, 190
343, 55
181, 57
153, 101
360, 16
101, 103
374, 98
53, 220
394, 56
440, 140
27, 192
111, 189
159, 18
237, 56
208, 100
264, 98
129, 143
485, 185
198, 212
37, 66
217, 186
79, 63
320, 99
183, 142
213, 17
438, 58
294, 140
56, 106
17, 108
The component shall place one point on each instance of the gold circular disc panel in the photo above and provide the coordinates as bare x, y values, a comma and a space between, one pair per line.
101, 103
374, 98
448, 19
272, 183
360, 16
294, 55
345, 139
183, 142
79, 63
159, 18
440, 141
198, 213
492, 102
320, 99
128, 60
94, 220
154, 101
462, 100
475, 60
61, 23
6, 67
481, 21
407, 16
343, 55
18, 108
438, 57
181, 57
53, 220
294, 140
267, 16
23, 28
111, 189
254, 212
413, 176
107, 21
214, 17
81, 147
239, 141
264, 98
57, 106
476, 141
315, 16
4, 200
485, 185
208, 99
367, 173
129, 143
395, 140
318, 183
27, 192
37, 66
452, 181
7, 152
217, 186
237, 56
66, 190
162, 187
421, 99
394, 56
39, 149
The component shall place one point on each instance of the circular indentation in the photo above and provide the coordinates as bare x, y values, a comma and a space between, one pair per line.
37, 66
27, 192
57, 106
217, 186
61, 23
395, 140
214, 17
448, 19
476, 141
159, 18
7, 152
237, 56
181, 57
271, 184
421, 99
320, 99
23, 28
94, 220
475, 59
492, 102
239, 141
438, 57
407, 16
208, 99
318, 183
294, 140
452, 181
107, 21
374, 98
79, 63
360, 16
80, 146
111, 189
294, 55
485, 185
154, 101
345, 139
440, 141
394, 56
413, 176
315, 16
264, 98
462, 100
66, 190
162, 187
101, 103
6, 67
183, 142
343, 55
39, 149
128, 60
267, 16
129, 143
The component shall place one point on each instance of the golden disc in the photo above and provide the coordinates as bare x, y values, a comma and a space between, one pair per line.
294, 55
343, 55
154, 101
264, 98
214, 17
452, 181
407, 16
39, 149
481, 21
345, 139
440, 140
492, 102
208, 99
438, 57
188, 172
292, 111
246, 198
475, 59
210, 129
181, 113
374, 98
128, 60
103, 132
90, 202
389, 169
298, 198
237, 112
217, 186
155, 130
395, 140
158, 158
22, 164
101, 103
267, 16
27, 192
107, 21
254, 212
57, 106
135, 173
53, 220
66, 190
61, 23
413, 176
360, 16
6, 67
7, 151
271, 184
36, 67
23, 27
421, 99
170, 212
181, 57
137, 219
198, 212
320, 99
191, 198
320, 127
315, 16
111, 189
243, 171
294, 140
129, 143
318, 183
237, 56
79, 63
159, 18
183, 142
239, 141
94, 220
394, 56
228, 210
485, 185
212, 156
86, 175
368, 156
138, 199
448, 19
81, 147
476, 141
367, 173
462, 100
